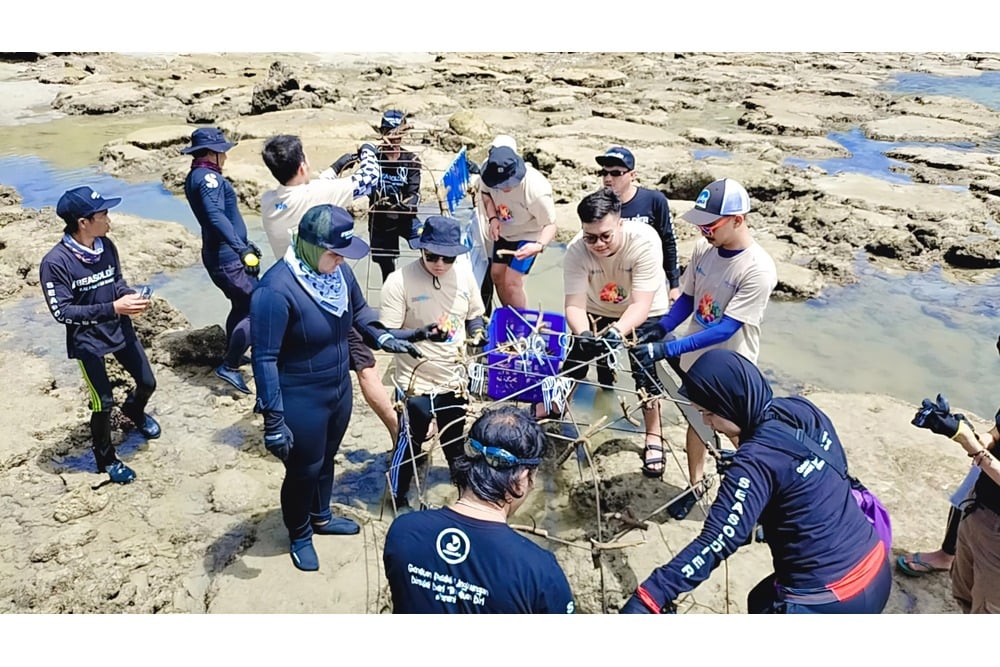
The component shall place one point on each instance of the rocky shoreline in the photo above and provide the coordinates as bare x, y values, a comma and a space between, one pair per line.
200, 531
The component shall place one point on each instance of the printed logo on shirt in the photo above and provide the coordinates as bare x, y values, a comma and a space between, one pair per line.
570, 607
637, 218
504, 213
449, 324
613, 293
211, 180
420, 297
280, 206
453, 546
708, 313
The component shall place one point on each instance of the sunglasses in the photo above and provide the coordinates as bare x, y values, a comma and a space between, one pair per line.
710, 229
616, 173
432, 258
500, 458
604, 237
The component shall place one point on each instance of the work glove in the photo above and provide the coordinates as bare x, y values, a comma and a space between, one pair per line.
251, 260
367, 147
277, 436
397, 346
344, 162
431, 332
589, 345
936, 417
646, 354
650, 332
613, 338
256, 249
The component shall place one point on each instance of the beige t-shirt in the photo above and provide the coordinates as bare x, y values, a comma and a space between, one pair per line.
409, 301
281, 209
525, 209
610, 281
739, 287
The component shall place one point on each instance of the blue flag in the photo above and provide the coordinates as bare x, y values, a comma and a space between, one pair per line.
456, 181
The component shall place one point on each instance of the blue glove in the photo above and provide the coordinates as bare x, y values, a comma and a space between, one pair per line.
936, 416
646, 354
277, 436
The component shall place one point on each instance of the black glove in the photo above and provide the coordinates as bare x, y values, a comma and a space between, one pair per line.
277, 437
613, 338
588, 344
344, 162
430, 332
256, 249
473, 167
725, 460
250, 260
649, 332
937, 417
397, 346
646, 354
369, 147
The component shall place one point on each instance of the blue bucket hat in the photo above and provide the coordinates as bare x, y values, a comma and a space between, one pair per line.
332, 228
503, 169
210, 138
83, 202
442, 236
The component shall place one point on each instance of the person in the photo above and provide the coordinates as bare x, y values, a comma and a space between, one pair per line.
82, 283
300, 317
975, 572
481, 230
282, 208
726, 287
650, 207
918, 564
614, 283
464, 558
393, 213
826, 554
522, 220
441, 299
232, 261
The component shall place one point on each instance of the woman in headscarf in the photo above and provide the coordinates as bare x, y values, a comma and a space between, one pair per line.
300, 316
827, 556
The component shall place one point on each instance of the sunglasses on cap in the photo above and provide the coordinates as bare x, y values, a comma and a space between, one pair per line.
710, 229
500, 458
615, 173
603, 237
432, 258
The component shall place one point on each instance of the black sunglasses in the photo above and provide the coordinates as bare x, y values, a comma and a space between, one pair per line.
432, 258
500, 458
604, 237
616, 173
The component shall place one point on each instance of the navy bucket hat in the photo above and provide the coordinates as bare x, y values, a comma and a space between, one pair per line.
503, 169
332, 228
208, 138
83, 202
442, 236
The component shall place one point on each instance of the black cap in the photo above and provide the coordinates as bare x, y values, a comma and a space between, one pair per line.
503, 169
83, 202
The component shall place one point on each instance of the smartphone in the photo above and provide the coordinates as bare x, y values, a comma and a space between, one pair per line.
145, 292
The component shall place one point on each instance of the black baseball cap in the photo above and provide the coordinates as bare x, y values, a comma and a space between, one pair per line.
83, 202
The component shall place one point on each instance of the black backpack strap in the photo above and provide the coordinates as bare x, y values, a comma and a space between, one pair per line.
810, 444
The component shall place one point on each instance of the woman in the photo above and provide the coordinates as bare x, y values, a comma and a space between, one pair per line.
827, 556
300, 316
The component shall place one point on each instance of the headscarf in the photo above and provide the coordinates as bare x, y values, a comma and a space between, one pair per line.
729, 385
328, 290
82, 252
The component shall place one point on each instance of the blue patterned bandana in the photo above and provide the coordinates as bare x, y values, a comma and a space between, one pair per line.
82, 252
328, 290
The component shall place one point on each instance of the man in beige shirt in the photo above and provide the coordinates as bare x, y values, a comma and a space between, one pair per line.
614, 282
439, 300
281, 210
522, 220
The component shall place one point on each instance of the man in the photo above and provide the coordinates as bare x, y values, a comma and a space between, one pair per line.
613, 280
441, 300
726, 286
394, 210
281, 210
522, 220
232, 261
643, 205
464, 559
82, 283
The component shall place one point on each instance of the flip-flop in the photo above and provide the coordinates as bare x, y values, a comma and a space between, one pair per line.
910, 571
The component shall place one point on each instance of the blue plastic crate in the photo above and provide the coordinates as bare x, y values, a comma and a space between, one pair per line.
508, 373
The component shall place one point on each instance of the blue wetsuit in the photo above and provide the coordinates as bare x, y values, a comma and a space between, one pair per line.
223, 243
442, 562
300, 363
827, 556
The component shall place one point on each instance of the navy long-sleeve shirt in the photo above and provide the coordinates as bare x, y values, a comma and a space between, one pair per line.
81, 296
294, 338
652, 208
817, 534
213, 202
